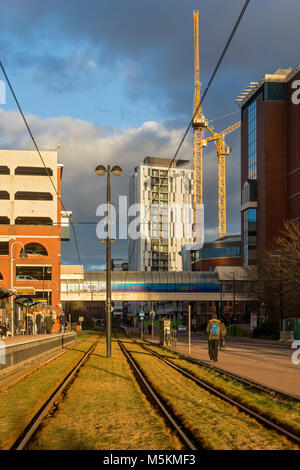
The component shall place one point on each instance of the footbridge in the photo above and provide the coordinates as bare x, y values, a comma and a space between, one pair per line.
80, 285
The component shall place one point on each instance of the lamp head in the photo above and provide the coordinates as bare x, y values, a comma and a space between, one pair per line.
100, 170
116, 170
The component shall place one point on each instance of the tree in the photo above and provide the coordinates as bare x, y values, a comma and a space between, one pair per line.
278, 274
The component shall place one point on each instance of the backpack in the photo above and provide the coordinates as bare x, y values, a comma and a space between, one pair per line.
214, 329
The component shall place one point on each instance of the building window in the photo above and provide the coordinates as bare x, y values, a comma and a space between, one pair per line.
249, 191
33, 221
4, 248
4, 221
33, 171
4, 195
4, 170
250, 216
33, 196
35, 249
34, 273
252, 143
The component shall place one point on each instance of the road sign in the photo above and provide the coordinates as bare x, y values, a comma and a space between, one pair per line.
152, 313
142, 315
81, 319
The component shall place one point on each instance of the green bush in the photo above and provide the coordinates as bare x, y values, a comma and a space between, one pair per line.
269, 329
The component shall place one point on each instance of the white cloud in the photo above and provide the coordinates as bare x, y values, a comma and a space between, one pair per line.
85, 145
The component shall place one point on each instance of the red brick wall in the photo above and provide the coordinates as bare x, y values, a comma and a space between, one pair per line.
49, 237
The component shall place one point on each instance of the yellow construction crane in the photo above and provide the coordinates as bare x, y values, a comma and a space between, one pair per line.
199, 125
222, 151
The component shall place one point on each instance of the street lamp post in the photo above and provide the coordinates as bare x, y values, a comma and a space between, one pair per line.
281, 287
234, 313
116, 171
22, 255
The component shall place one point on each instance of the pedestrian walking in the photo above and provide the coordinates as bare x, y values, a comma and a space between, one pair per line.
223, 334
213, 330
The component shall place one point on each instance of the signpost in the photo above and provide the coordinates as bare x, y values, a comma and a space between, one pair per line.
189, 330
81, 319
142, 316
152, 315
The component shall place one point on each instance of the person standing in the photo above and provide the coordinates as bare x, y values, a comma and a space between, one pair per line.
223, 334
48, 322
213, 331
38, 321
62, 320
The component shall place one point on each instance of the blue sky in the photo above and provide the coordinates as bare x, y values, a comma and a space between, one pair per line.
90, 75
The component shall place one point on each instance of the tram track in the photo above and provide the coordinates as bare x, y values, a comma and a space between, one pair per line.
266, 422
273, 392
31, 428
189, 441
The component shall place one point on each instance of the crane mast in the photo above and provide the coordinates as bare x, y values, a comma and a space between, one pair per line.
199, 124
222, 151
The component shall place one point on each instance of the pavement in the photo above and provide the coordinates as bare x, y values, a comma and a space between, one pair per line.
26, 338
267, 362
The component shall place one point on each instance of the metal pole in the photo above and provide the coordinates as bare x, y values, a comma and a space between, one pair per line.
108, 271
12, 286
281, 297
152, 331
234, 313
189, 329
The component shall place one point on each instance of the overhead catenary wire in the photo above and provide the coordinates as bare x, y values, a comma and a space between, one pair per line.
195, 113
40, 155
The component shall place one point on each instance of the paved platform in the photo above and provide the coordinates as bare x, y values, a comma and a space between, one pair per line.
27, 338
266, 362
22, 338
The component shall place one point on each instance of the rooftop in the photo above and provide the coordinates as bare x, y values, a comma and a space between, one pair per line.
164, 162
281, 75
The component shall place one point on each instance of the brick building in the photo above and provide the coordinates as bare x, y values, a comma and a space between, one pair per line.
30, 224
270, 160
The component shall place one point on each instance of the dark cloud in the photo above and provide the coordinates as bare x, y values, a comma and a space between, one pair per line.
147, 49
150, 45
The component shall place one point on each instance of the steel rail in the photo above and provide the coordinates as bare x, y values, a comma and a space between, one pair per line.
261, 419
31, 428
158, 400
245, 380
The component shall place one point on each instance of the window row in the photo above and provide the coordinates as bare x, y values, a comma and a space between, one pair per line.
27, 221
27, 171
31, 249
27, 196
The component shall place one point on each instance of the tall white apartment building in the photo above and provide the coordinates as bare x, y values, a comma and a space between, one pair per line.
159, 246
